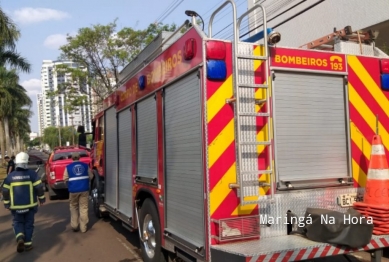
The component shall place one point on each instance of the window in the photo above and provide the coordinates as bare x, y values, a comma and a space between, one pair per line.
68, 155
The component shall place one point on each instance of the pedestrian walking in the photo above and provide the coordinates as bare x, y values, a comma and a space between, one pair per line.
77, 176
21, 190
11, 164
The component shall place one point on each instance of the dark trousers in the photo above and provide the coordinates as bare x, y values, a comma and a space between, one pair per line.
23, 225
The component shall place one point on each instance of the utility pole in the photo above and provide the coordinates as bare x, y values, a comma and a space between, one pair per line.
72, 117
59, 131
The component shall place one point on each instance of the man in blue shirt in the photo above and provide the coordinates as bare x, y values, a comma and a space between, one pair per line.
77, 176
21, 190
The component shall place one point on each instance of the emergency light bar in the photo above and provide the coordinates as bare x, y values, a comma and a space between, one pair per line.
384, 64
216, 64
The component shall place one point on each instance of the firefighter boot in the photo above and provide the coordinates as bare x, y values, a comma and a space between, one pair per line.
20, 246
28, 247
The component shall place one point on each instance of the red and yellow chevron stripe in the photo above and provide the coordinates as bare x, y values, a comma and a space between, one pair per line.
366, 101
224, 202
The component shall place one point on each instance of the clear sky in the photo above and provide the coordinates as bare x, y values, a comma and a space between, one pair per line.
45, 23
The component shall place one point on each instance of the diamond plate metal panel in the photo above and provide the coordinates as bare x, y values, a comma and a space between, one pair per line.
297, 202
282, 244
353, 48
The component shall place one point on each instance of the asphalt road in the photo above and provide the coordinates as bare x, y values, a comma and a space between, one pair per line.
106, 240
54, 240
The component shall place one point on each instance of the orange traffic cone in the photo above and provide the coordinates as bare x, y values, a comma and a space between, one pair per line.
377, 185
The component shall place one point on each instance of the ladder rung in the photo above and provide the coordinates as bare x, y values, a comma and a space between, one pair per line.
253, 85
252, 57
254, 114
255, 143
257, 172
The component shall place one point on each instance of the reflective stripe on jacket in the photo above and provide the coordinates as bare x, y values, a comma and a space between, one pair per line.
21, 189
78, 177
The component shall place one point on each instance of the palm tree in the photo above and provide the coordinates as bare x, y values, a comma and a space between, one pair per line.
12, 97
9, 34
20, 126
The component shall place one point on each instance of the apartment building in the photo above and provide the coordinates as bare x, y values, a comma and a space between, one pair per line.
53, 108
41, 123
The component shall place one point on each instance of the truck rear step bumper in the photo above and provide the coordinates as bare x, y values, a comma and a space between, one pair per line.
286, 248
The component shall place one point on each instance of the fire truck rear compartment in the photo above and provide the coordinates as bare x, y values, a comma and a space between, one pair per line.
310, 118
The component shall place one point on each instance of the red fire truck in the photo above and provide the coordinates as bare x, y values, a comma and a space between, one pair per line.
208, 143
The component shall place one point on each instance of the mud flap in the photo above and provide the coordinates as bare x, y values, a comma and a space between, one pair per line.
349, 229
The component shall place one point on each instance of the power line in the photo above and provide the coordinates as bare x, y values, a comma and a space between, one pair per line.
169, 10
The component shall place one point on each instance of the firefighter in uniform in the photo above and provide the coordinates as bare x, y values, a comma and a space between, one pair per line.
21, 190
77, 176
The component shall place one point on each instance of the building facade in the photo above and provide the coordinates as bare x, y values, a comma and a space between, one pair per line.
41, 123
301, 22
54, 113
33, 135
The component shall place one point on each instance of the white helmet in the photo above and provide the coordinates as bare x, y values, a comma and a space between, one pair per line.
21, 160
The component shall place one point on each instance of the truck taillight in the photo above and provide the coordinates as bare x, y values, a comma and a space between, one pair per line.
52, 174
189, 49
216, 64
384, 64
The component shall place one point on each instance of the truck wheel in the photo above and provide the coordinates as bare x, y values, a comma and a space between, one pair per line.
95, 197
151, 233
52, 194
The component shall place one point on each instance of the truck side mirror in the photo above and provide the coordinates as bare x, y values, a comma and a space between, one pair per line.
80, 129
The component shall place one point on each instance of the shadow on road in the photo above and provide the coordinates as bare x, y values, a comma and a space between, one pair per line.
51, 222
131, 237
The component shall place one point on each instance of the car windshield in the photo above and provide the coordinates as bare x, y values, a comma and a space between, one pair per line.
68, 155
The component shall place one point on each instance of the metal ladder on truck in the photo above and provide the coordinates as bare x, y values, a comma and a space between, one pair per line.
246, 114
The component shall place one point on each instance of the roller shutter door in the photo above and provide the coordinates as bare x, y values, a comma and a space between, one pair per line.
310, 126
147, 138
111, 157
125, 163
184, 175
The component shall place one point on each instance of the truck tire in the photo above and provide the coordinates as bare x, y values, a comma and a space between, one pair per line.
52, 193
95, 197
151, 232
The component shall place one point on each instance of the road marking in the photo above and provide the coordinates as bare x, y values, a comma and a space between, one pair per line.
129, 249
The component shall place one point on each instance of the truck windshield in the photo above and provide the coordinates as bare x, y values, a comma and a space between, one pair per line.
68, 155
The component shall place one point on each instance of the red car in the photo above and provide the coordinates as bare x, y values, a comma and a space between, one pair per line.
55, 167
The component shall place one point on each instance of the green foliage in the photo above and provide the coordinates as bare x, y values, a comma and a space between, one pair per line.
35, 142
52, 136
71, 90
104, 51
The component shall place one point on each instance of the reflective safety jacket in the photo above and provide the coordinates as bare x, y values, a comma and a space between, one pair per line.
21, 189
78, 176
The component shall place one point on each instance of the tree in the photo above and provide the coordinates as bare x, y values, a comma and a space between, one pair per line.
52, 135
103, 51
35, 142
13, 98
9, 34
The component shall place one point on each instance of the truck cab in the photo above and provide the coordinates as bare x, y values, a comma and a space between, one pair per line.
55, 167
